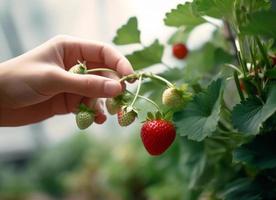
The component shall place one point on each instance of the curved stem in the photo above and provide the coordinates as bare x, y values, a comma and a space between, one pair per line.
150, 101
137, 91
147, 75
238, 85
234, 67
154, 76
130, 76
101, 70
147, 99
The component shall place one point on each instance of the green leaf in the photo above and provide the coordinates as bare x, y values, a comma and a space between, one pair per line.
271, 73
214, 8
205, 62
261, 23
193, 160
242, 189
128, 33
146, 57
259, 153
183, 15
260, 187
200, 117
248, 116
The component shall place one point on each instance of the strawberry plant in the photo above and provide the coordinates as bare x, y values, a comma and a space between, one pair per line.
221, 100
227, 129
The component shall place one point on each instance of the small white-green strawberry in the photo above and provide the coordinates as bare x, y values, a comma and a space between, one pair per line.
175, 98
112, 106
79, 68
126, 116
85, 117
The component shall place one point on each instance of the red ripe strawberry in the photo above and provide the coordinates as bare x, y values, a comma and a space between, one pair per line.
126, 117
180, 50
157, 135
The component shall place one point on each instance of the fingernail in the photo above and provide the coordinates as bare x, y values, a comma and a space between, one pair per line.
112, 88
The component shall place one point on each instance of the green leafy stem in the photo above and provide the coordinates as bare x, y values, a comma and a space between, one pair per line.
135, 76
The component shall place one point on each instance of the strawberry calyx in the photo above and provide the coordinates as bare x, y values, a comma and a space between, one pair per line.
115, 104
123, 99
127, 115
83, 107
79, 68
128, 109
159, 116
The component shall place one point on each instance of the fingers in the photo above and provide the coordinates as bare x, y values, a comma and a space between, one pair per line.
94, 52
91, 86
114, 77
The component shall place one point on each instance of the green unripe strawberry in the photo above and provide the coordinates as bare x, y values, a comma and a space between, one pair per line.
126, 116
112, 106
172, 97
79, 68
175, 98
85, 117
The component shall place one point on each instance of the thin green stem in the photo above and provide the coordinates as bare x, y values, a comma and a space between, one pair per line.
129, 77
242, 52
234, 67
212, 23
236, 78
154, 76
147, 99
242, 64
137, 91
233, 42
151, 101
147, 75
263, 52
101, 70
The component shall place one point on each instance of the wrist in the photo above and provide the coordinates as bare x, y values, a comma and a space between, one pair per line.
4, 82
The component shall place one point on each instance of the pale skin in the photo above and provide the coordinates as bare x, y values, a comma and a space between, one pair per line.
36, 85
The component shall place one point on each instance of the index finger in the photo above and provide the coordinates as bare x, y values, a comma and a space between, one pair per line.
98, 53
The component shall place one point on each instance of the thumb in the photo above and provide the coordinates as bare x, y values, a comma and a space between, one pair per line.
87, 85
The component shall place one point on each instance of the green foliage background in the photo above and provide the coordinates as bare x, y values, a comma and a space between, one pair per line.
225, 145
228, 150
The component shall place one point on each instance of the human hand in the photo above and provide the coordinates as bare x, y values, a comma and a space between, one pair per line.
36, 85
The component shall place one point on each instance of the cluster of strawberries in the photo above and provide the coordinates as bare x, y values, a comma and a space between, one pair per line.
158, 131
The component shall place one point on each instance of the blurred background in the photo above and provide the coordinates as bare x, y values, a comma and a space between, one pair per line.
52, 159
